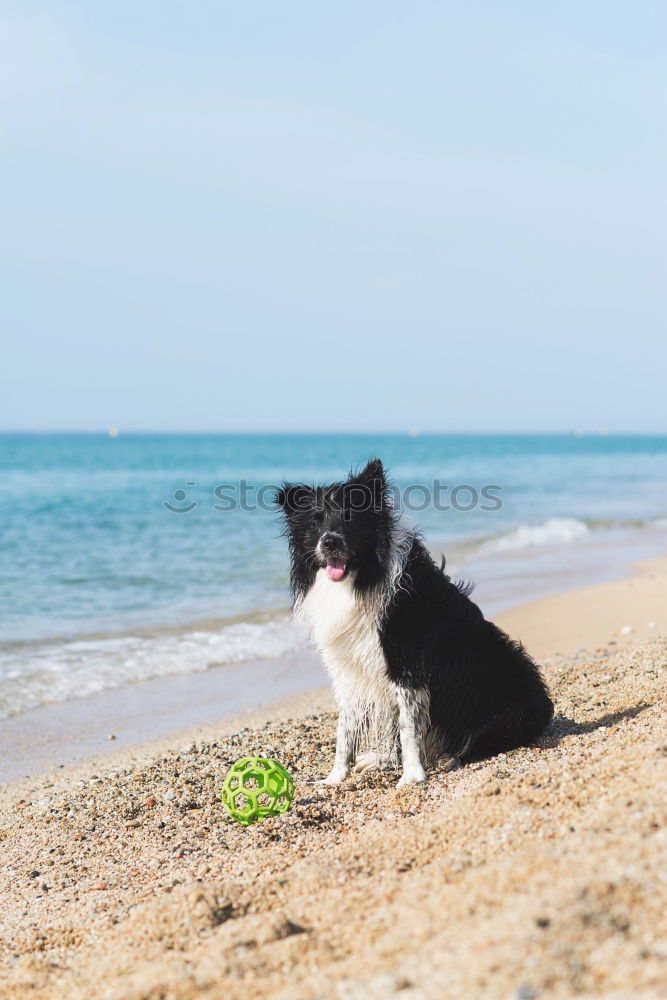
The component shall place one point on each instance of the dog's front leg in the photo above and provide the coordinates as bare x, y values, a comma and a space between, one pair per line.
347, 736
413, 720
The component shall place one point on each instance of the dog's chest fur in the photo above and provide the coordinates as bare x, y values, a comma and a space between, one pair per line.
345, 630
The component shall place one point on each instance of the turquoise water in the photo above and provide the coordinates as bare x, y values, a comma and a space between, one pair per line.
101, 583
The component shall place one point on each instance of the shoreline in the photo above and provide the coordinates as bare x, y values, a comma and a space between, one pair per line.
179, 709
620, 612
45, 671
146, 715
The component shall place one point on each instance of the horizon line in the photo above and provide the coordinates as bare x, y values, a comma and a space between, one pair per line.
414, 433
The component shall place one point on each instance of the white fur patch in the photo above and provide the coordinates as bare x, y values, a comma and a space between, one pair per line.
344, 627
345, 630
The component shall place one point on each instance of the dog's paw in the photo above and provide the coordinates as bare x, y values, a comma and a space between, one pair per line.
334, 777
412, 776
369, 761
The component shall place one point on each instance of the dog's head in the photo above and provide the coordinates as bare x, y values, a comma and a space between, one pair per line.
345, 527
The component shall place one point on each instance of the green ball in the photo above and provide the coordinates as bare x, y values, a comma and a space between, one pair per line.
255, 788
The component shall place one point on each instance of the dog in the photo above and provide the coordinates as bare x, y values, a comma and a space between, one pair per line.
414, 664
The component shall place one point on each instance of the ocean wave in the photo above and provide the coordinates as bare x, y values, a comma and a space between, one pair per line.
55, 672
554, 531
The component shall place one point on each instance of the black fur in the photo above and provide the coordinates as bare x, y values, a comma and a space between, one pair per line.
486, 693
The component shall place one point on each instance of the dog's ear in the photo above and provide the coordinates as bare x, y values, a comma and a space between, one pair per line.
373, 473
294, 496
373, 484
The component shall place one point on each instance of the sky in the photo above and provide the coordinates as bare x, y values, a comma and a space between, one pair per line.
339, 216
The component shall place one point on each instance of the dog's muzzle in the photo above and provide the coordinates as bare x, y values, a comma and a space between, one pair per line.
332, 549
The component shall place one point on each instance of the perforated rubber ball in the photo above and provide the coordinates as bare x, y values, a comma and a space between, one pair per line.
255, 788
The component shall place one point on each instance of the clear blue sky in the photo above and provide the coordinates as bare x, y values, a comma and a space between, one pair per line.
349, 215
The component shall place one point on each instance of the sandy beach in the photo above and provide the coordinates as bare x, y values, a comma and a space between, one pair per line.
540, 873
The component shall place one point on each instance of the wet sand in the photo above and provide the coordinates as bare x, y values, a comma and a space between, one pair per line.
621, 612
135, 716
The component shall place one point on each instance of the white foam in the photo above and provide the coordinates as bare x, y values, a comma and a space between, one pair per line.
555, 531
52, 672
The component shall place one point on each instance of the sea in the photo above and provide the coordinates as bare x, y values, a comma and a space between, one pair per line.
125, 557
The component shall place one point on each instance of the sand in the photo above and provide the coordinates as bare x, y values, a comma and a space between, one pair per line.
623, 611
540, 873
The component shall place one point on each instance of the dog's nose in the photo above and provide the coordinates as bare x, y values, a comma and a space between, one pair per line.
330, 542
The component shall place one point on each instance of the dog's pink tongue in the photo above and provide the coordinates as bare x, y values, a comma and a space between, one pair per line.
335, 569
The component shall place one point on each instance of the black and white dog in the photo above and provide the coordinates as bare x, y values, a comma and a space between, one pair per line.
411, 657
